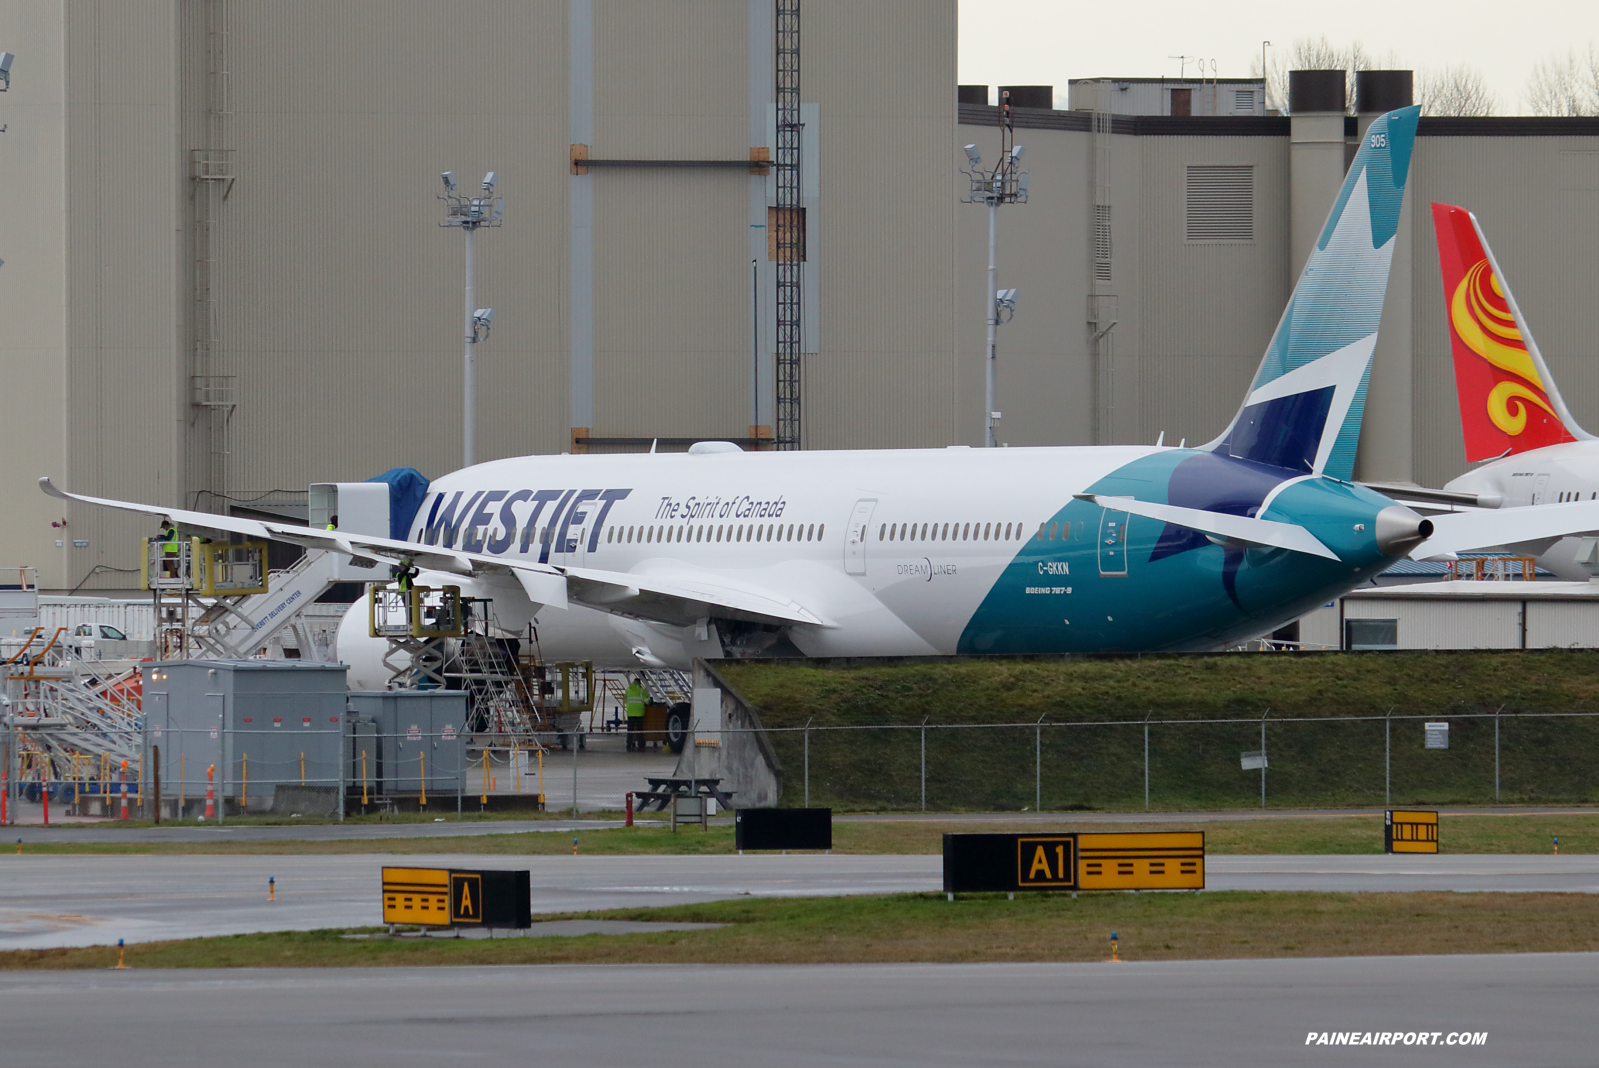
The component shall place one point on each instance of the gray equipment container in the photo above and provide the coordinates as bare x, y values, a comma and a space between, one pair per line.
271, 718
407, 732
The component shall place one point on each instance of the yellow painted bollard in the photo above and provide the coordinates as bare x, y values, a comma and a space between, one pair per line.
19, 847
485, 799
244, 786
422, 762
272, 887
1115, 958
302, 769
120, 965
541, 776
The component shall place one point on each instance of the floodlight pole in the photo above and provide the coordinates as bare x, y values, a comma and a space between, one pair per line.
468, 371
991, 350
1006, 183
470, 213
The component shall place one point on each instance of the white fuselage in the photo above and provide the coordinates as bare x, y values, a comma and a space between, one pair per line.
894, 550
1554, 474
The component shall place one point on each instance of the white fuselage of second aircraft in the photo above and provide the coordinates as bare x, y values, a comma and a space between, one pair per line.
1554, 474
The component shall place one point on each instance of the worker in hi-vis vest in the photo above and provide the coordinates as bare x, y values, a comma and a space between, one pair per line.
168, 540
634, 703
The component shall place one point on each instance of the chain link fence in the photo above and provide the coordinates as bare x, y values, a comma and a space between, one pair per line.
217, 773
1185, 764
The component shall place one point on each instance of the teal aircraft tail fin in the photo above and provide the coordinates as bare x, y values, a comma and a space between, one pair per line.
1303, 409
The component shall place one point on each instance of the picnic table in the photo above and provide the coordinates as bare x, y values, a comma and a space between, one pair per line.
663, 791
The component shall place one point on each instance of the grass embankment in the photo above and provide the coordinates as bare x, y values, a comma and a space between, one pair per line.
1578, 833
925, 927
1192, 765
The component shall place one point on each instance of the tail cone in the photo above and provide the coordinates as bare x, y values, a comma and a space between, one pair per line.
1399, 530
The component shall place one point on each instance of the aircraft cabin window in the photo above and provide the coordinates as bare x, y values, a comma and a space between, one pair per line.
820, 531
810, 533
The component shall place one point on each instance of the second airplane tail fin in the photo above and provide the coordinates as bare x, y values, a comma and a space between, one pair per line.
1508, 400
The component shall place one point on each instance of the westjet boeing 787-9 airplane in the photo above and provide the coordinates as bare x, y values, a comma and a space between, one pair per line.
653, 560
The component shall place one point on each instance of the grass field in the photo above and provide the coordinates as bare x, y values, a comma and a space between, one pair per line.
925, 927
1521, 833
1316, 710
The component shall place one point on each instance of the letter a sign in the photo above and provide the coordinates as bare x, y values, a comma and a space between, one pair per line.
1046, 862
466, 897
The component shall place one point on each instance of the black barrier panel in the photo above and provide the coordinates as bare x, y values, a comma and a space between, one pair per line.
491, 898
783, 828
975, 863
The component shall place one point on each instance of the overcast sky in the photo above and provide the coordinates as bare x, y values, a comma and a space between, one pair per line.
1047, 42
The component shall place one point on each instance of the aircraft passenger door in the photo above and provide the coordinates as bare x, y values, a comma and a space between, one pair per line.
860, 523
1113, 543
1540, 488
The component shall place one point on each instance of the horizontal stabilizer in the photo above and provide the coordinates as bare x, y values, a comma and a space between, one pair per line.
1464, 531
1267, 532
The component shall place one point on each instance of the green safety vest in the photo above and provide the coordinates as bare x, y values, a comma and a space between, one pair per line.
635, 701
169, 540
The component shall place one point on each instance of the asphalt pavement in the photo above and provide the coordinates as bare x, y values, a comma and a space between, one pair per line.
1531, 1010
48, 900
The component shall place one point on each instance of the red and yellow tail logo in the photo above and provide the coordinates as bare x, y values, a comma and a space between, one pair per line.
1504, 403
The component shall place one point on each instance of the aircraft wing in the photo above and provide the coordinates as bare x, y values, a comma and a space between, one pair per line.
1268, 532
1464, 531
682, 597
674, 598
542, 583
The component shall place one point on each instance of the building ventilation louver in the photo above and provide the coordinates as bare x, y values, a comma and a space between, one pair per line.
1220, 203
1102, 246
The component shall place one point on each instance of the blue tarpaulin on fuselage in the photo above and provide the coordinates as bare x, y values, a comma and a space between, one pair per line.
408, 488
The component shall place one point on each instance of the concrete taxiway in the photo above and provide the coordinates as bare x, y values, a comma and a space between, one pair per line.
1533, 1010
93, 900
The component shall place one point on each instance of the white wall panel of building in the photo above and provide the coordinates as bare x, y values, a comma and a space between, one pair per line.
1562, 624
1450, 623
